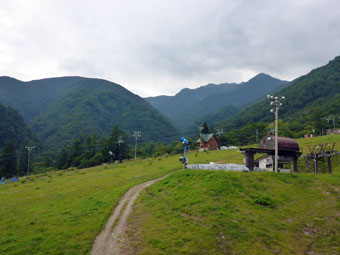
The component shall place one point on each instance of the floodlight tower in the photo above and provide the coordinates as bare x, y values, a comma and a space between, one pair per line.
277, 102
136, 134
29, 149
120, 141
200, 128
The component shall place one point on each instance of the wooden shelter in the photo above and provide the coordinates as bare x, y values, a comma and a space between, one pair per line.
288, 151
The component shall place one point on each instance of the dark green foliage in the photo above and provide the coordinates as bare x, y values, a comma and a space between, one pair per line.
63, 158
205, 128
191, 104
12, 127
249, 134
308, 99
223, 114
8, 161
84, 153
264, 199
47, 161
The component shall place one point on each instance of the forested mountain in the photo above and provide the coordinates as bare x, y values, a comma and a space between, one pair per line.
309, 99
186, 98
33, 97
223, 114
189, 105
12, 127
61, 109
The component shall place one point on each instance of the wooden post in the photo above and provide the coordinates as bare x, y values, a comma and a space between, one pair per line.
250, 160
295, 164
316, 167
329, 164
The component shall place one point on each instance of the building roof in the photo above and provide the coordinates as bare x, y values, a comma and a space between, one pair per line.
205, 137
284, 143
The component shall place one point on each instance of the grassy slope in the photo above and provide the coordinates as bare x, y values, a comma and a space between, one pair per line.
62, 212
205, 212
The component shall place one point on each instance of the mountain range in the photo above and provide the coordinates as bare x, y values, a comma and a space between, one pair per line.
60, 109
214, 102
309, 100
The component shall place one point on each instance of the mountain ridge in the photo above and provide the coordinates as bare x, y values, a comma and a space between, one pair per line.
189, 105
57, 108
308, 98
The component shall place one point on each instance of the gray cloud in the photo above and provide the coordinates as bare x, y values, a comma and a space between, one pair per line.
158, 47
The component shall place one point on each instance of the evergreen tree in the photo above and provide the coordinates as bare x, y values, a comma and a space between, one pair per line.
91, 147
63, 158
47, 161
205, 128
120, 150
8, 160
77, 151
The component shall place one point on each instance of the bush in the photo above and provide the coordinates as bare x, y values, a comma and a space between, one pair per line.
264, 200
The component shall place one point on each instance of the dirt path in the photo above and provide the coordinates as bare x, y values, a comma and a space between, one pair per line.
107, 242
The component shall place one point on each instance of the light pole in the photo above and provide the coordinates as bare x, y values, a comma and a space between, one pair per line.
136, 134
111, 156
201, 128
29, 149
119, 141
277, 102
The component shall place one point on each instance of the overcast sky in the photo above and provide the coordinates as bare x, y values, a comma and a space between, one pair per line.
154, 47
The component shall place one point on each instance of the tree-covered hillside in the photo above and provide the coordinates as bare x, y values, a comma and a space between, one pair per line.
61, 109
224, 113
33, 97
12, 127
309, 99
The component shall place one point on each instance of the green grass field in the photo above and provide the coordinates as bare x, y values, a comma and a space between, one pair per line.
62, 212
206, 212
190, 212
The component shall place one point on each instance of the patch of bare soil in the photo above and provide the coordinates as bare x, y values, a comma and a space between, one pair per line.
111, 240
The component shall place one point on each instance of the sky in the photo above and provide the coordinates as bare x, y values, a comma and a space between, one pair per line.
154, 47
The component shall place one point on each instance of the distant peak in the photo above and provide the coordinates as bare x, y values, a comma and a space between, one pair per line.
261, 76
8, 78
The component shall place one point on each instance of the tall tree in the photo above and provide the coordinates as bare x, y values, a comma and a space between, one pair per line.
8, 160
63, 158
205, 128
120, 149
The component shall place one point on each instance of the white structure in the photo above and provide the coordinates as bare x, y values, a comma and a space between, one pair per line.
266, 163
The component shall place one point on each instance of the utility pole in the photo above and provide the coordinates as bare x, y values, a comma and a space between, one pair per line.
119, 141
29, 149
111, 156
257, 135
277, 102
201, 128
136, 134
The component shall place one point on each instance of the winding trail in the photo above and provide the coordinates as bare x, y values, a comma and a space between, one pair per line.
107, 242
